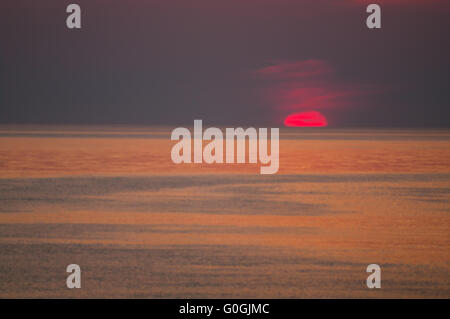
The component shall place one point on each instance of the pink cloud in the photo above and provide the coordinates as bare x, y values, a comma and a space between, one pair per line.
307, 85
294, 69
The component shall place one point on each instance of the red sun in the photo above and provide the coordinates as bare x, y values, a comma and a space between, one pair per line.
306, 119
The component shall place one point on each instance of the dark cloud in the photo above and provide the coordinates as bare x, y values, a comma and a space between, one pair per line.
168, 62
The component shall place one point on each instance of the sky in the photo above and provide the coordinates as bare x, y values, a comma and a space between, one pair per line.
233, 62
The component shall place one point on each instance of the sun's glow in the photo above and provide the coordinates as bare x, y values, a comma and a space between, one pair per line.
306, 119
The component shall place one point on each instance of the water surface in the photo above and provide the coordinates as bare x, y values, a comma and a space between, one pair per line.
111, 200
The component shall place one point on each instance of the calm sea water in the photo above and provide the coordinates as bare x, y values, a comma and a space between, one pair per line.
110, 200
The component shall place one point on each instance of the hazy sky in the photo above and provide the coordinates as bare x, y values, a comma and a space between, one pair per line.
233, 62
